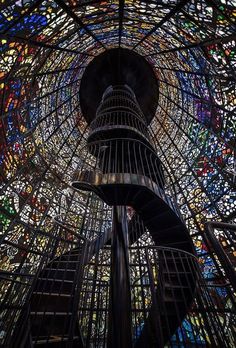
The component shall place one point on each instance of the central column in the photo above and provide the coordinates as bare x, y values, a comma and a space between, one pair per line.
120, 325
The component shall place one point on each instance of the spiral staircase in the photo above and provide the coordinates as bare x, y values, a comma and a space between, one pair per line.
124, 171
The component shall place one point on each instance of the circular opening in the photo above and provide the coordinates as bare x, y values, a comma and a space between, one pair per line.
118, 67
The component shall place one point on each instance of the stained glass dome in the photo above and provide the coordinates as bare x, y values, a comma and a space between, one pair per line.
45, 49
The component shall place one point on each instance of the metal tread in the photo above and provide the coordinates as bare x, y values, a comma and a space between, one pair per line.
56, 280
50, 294
53, 339
51, 313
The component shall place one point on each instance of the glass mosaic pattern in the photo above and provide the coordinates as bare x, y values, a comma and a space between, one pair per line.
45, 47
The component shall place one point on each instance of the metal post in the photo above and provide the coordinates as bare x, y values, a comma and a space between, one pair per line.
220, 252
120, 327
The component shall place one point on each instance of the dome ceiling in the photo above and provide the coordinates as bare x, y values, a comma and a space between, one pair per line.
46, 47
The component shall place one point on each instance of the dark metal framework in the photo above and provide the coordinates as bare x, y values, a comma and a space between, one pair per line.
45, 49
119, 288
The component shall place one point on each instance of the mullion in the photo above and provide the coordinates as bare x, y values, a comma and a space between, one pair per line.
198, 73
77, 20
169, 15
28, 11
42, 44
195, 176
40, 97
217, 8
49, 206
195, 96
220, 139
203, 43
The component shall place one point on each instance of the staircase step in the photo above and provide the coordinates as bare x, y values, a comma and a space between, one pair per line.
172, 299
55, 280
58, 273
50, 301
50, 323
168, 232
174, 295
54, 285
64, 264
71, 257
51, 313
56, 341
174, 269
175, 286
152, 206
178, 280
51, 294
164, 218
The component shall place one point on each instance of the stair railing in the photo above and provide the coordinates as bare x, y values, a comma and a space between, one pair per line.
21, 335
216, 246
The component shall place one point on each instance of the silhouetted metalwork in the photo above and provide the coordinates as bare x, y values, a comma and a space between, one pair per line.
45, 48
138, 282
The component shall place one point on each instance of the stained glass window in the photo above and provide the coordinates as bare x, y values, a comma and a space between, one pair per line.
45, 48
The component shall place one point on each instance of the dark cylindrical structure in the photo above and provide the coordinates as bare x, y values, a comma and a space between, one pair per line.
120, 326
120, 141
119, 137
124, 170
